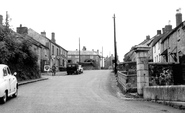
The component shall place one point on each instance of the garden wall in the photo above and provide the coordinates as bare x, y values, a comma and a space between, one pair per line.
166, 93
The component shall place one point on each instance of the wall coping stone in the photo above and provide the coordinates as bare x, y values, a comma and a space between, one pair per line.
140, 48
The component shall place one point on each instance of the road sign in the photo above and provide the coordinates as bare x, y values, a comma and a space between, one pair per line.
46, 68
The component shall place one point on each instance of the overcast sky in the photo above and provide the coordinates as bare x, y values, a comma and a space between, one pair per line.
92, 21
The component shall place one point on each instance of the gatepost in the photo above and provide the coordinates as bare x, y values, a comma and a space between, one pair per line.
142, 67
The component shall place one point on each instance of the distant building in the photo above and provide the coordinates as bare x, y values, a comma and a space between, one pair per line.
109, 62
85, 57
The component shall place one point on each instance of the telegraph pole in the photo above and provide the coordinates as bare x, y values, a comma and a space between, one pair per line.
79, 50
115, 47
102, 57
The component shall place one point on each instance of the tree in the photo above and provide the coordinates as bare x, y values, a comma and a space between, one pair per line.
17, 54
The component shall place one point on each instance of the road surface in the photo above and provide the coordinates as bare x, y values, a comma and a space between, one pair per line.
90, 92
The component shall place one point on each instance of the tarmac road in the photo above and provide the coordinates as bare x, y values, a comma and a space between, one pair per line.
90, 92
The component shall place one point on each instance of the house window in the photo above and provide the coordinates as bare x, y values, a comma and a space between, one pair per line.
158, 46
57, 52
52, 50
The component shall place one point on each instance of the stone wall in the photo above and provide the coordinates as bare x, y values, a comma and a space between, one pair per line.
165, 74
166, 93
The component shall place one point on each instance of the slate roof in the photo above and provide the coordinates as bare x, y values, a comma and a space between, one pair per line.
157, 38
175, 29
31, 30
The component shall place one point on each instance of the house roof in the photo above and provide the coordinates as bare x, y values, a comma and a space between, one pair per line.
157, 38
37, 43
83, 53
169, 33
47, 39
144, 42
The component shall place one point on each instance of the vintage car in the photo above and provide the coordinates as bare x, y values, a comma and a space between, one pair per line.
8, 83
73, 68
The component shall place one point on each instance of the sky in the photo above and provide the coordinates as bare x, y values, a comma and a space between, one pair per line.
92, 21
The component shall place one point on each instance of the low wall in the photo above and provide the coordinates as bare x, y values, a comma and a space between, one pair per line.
166, 93
127, 82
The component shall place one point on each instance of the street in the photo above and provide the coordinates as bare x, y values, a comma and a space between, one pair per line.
89, 92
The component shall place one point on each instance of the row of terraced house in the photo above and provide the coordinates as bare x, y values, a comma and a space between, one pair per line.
47, 50
166, 46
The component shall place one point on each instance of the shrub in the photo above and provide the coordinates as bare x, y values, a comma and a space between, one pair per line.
17, 54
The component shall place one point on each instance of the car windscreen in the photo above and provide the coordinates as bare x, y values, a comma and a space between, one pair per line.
69, 66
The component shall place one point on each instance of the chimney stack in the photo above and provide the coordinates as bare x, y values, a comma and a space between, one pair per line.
1, 20
148, 37
158, 32
53, 37
163, 30
43, 33
22, 30
178, 17
168, 28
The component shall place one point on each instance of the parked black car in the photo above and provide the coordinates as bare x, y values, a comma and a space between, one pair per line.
73, 68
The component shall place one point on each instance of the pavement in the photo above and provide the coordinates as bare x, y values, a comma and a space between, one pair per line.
31, 81
43, 77
175, 104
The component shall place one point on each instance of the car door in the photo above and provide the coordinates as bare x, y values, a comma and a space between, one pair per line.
11, 80
6, 79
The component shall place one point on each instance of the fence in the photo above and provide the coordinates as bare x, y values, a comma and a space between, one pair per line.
127, 77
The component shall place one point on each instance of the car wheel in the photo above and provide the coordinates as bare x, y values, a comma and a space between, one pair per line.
16, 93
4, 98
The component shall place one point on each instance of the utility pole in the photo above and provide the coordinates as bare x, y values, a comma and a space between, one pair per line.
79, 50
115, 47
102, 56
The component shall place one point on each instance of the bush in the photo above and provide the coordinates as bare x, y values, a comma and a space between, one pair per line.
17, 54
